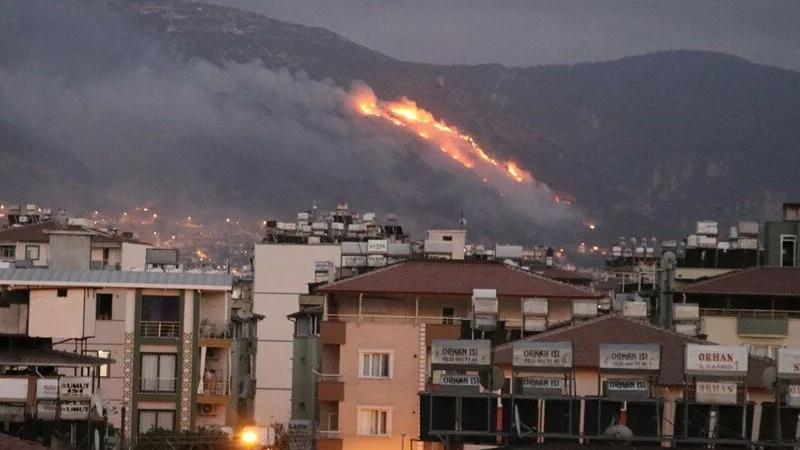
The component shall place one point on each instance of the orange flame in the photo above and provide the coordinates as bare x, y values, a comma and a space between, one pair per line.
460, 147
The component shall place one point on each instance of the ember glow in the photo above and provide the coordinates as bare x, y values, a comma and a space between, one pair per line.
461, 147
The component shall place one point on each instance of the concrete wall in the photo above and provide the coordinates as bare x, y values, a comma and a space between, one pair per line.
723, 330
458, 238
281, 274
70, 251
133, 256
44, 253
772, 240
72, 316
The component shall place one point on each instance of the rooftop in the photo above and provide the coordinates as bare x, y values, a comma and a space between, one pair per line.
211, 281
455, 278
40, 233
614, 329
49, 358
756, 281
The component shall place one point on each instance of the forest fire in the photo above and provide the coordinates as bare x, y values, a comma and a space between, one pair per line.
459, 146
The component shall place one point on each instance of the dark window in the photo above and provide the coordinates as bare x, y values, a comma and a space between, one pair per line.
61, 292
8, 251
447, 315
156, 308
158, 372
156, 419
788, 250
447, 238
32, 252
104, 306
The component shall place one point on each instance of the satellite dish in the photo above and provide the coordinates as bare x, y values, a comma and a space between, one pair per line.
668, 260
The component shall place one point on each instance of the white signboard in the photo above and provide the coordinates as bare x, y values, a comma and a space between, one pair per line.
47, 388
75, 388
630, 356
716, 360
14, 389
628, 388
46, 410
74, 411
793, 396
449, 379
788, 362
539, 386
454, 352
715, 393
377, 246
542, 354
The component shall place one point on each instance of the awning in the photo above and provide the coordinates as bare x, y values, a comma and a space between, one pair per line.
49, 358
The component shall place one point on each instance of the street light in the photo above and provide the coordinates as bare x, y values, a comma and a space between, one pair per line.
249, 437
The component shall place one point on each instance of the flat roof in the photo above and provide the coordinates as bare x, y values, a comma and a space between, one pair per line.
208, 281
754, 282
49, 358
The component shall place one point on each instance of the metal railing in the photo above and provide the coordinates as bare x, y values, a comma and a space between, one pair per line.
160, 329
758, 313
331, 427
162, 385
395, 318
327, 376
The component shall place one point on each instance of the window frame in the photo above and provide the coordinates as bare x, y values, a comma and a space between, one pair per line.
31, 247
362, 354
388, 410
157, 412
793, 239
87, 371
10, 255
158, 378
97, 306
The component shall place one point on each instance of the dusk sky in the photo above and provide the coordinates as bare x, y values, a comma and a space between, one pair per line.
523, 33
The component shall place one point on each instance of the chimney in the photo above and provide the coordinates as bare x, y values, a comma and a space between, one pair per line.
791, 211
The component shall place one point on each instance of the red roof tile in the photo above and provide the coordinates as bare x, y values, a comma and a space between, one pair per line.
614, 329
456, 278
757, 281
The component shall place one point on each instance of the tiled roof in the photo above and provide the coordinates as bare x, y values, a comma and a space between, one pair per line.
757, 281
614, 329
557, 273
455, 278
117, 278
49, 358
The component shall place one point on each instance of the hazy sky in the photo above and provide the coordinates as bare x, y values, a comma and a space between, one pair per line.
531, 32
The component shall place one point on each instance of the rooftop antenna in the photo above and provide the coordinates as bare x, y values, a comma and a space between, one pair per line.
462, 223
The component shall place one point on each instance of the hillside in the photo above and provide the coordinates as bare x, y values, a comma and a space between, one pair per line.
645, 144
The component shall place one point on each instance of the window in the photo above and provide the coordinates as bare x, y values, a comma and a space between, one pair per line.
788, 250
158, 372
447, 315
376, 364
104, 369
157, 308
152, 419
8, 251
374, 421
103, 306
61, 292
447, 238
32, 252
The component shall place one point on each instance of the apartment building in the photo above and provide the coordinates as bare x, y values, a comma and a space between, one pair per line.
758, 307
377, 330
183, 358
30, 246
281, 274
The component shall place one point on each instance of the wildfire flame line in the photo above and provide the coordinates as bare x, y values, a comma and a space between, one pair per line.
459, 146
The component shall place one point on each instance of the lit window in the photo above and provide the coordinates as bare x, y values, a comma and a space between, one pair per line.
374, 421
158, 372
375, 364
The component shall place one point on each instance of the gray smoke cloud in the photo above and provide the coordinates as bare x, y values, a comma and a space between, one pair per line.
124, 121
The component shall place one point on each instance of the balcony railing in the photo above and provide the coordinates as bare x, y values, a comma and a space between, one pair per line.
394, 318
215, 330
159, 329
158, 385
216, 386
757, 313
329, 428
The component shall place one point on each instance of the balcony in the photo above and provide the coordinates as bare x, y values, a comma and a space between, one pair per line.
441, 331
159, 329
332, 332
215, 391
329, 388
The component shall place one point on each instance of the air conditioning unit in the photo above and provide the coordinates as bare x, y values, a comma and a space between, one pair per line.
207, 409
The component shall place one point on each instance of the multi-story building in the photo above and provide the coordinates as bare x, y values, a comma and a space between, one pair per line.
376, 335
758, 307
30, 246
